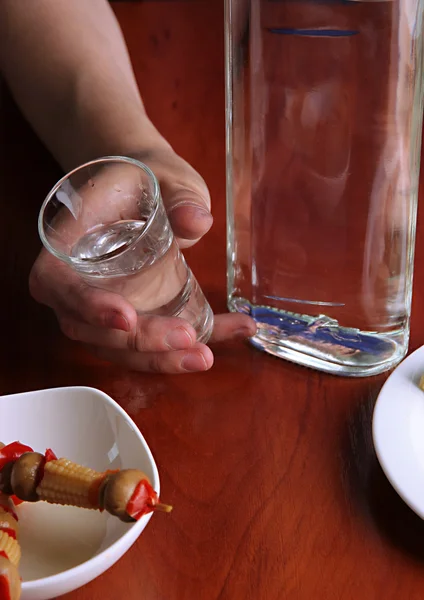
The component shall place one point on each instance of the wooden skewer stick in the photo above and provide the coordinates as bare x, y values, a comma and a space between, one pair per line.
163, 507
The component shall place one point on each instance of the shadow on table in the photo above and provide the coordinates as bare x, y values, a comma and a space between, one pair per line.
370, 490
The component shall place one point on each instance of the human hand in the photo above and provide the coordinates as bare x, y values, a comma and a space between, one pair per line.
106, 322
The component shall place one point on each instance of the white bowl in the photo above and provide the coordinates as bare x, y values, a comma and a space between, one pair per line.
63, 548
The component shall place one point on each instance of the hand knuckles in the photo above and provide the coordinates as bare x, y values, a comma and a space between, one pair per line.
135, 341
143, 337
155, 364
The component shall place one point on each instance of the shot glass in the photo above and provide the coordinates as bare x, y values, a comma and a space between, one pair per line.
107, 221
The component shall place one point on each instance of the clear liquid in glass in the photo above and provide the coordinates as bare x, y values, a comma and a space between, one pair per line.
324, 114
151, 274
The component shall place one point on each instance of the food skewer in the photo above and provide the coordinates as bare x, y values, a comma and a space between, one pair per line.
30, 477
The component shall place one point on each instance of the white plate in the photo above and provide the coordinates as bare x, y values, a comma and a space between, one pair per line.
64, 548
398, 430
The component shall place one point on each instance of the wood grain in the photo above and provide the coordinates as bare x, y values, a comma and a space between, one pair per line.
270, 467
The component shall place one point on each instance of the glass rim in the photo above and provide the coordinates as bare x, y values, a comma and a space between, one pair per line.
104, 159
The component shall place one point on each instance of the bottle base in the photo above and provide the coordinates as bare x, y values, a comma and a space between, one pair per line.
320, 343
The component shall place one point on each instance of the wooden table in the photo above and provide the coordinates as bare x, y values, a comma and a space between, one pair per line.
270, 467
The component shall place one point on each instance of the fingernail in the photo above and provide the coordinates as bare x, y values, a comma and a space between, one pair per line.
117, 321
243, 333
201, 213
194, 361
196, 211
178, 339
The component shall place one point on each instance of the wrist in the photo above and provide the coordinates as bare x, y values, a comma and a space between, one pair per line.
142, 141
136, 137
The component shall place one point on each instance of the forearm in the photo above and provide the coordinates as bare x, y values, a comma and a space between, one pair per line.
67, 66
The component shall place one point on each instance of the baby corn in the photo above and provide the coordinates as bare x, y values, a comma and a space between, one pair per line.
67, 483
10, 547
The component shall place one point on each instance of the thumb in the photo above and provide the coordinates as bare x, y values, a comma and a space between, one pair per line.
187, 202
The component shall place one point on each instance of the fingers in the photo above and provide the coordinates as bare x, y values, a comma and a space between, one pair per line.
190, 222
197, 358
55, 284
232, 326
151, 334
157, 334
160, 344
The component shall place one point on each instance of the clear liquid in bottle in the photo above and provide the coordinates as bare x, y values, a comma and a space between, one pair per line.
324, 112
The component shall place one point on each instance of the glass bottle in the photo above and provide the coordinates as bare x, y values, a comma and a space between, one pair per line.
324, 103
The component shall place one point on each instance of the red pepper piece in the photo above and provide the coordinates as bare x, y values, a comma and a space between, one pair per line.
4, 555
10, 532
50, 455
12, 452
16, 501
142, 501
4, 586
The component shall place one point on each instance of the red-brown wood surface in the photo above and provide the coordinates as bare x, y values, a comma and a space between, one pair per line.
270, 467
